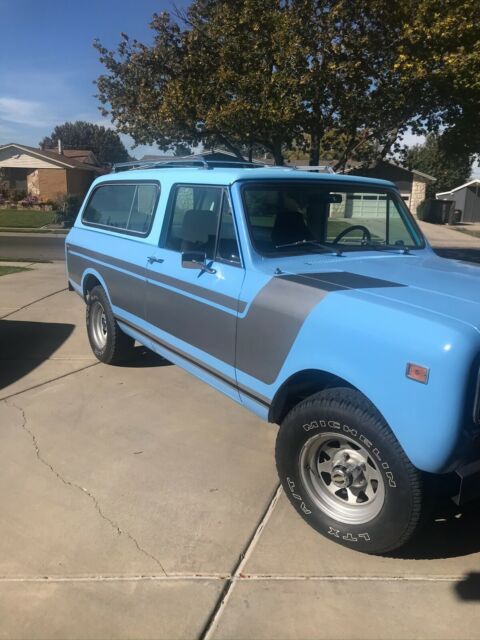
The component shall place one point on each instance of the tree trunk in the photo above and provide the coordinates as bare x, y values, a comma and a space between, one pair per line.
314, 150
278, 155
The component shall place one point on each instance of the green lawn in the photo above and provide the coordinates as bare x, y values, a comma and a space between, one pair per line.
25, 218
6, 270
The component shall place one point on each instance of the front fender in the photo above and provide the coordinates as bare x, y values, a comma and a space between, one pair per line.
369, 343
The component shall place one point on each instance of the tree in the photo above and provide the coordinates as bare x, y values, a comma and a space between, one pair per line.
282, 74
105, 143
450, 169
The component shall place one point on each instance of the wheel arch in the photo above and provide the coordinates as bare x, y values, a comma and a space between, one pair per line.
91, 278
299, 386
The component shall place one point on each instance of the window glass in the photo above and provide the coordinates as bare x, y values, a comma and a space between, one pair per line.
194, 219
227, 241
126, 207
143, 208
293, 216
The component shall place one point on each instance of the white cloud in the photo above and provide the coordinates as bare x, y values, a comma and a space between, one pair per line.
27, 112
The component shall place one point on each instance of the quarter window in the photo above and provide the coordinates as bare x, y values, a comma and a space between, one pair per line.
227, 242
122, 207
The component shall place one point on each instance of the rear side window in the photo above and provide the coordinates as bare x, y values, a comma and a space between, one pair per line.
125, 207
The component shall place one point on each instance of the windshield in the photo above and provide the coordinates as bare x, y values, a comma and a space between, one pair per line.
301, 217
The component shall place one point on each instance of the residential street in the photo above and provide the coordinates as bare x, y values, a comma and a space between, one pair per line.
32, 246
140, 503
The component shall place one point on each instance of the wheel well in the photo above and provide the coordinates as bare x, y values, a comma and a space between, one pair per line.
300, 386
90, 282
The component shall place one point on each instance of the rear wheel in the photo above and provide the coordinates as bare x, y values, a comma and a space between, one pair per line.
107, 340
346, 474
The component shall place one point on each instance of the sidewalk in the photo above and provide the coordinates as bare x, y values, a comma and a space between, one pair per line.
140, 503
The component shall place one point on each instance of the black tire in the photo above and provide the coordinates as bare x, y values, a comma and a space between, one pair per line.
112, 346
318, 433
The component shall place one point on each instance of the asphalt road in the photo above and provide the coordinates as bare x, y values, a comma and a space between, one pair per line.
28, 246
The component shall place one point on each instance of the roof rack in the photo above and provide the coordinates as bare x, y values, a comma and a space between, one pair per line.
197, 162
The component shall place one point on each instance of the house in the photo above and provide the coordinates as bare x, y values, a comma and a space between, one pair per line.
46, 174
466, 199
412, 184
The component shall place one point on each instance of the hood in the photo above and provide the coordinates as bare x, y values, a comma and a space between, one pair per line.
421, 279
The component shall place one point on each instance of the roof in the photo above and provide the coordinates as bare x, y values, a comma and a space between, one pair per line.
358, 167
53, 156
467, 184
82, 155
229, 175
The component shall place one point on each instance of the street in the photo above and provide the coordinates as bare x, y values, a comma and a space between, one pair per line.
32, 246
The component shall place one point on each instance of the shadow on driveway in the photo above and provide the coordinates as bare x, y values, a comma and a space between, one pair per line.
25, 345
450, 532
469, 588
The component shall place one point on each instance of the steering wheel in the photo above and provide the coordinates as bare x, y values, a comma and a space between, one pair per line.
367, 236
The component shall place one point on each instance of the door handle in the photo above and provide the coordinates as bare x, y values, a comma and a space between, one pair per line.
152, 259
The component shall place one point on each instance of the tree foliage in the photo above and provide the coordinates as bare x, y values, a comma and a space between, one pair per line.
105, 143
451, 169
282, 74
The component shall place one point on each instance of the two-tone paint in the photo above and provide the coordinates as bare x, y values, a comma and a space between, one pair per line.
251, 330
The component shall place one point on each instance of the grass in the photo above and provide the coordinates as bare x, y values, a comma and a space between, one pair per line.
18, 218
4, 271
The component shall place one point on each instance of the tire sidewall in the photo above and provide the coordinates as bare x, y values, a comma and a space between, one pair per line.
98, 295
380, 533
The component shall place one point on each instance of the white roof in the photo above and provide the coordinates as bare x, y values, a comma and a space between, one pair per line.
467, 184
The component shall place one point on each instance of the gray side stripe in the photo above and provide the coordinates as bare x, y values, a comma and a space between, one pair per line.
230, 381
213, 296
265, 335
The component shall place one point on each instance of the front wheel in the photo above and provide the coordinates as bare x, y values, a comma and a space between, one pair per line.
346, 474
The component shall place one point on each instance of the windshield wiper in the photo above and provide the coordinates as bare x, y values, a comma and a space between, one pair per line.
312, 243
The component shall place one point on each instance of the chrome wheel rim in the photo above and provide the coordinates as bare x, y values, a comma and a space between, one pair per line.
98, 325
342, 478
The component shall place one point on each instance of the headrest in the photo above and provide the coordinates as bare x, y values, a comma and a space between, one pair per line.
198, 225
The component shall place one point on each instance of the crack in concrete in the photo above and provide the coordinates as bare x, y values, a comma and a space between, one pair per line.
115, 526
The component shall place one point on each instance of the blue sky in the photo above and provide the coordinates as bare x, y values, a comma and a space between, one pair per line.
48, 63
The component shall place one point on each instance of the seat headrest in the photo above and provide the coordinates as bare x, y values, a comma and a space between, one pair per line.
198, 225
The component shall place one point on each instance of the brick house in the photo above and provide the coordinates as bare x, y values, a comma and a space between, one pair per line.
46, 174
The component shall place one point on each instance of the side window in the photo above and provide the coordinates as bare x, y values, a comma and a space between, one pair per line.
194, 220
227, 248
142, 208
122, 207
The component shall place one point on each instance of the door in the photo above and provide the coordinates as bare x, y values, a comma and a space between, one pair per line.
194, 282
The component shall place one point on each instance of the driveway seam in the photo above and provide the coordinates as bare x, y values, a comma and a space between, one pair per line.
214, 618
41, 384
220, 576
115, 526
25, 306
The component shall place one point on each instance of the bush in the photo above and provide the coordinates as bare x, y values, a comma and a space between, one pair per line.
67, 208
29, 201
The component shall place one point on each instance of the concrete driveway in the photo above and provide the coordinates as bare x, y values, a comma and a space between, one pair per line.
139, 503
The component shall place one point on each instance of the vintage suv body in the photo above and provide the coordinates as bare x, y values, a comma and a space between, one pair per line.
312, 299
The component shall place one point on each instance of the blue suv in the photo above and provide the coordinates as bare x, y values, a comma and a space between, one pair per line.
313, 300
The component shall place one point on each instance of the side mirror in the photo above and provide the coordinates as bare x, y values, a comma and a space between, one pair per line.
196, 260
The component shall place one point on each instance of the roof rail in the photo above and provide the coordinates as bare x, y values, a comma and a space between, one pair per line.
201, 163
